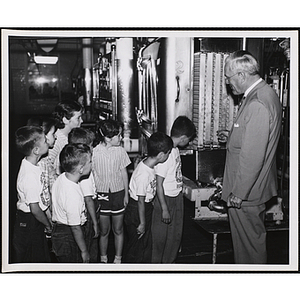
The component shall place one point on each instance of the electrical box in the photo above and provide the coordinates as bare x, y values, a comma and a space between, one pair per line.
201, 195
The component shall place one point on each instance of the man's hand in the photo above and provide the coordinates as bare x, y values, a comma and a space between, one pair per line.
222, 136
234, 201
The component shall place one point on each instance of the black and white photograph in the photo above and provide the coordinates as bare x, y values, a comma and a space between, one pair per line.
149, 150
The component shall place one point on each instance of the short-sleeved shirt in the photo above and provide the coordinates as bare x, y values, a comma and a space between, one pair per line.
32, 187
142, 182
170, 170
60, 142
87, 186
68, 206
107, 164
47, 166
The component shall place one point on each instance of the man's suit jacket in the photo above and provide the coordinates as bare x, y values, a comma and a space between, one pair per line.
250, 169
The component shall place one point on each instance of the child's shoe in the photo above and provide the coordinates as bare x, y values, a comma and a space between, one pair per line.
117, 259
103, 259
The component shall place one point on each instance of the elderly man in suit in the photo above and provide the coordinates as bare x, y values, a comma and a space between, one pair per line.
250, 175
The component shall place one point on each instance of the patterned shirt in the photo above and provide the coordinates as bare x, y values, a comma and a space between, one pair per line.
32, 187
107, 164
170, 170
61, 141
142, 183
47, 167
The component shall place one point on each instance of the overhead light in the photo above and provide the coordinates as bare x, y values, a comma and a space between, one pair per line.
52, 60
48, 44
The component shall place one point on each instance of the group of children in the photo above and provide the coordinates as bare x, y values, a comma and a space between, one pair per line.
78, 192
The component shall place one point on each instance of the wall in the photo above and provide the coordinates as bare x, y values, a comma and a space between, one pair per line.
19, 102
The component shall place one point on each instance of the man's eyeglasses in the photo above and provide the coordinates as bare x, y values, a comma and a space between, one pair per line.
227, 78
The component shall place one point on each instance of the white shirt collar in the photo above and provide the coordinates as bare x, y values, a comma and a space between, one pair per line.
252, 86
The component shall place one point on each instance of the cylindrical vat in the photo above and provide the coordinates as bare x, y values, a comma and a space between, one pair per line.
175, 81
125, 68
125, 93
87, 60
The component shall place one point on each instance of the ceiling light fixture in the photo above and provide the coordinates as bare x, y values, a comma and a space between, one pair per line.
52, 60
47, 45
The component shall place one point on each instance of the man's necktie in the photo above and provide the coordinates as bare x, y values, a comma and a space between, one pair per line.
241, 102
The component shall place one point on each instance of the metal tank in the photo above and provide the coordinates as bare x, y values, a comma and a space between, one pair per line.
174, 80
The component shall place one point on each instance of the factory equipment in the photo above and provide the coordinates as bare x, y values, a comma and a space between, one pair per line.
113, 87
172, 80
213, 111
146, 111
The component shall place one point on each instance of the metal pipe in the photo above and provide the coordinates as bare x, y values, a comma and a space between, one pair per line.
125, 83
87, 55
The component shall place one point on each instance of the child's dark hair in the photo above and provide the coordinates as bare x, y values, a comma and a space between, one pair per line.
65, 109
109, 128
81, 135
183, 126
45, 123
26, 138
159, 142
72, 155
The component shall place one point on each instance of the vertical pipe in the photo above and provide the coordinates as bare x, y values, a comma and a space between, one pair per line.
125, 83
87, 53
113, 82
244, 43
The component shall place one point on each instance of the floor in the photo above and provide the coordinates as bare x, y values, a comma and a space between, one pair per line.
197, 244
197, 247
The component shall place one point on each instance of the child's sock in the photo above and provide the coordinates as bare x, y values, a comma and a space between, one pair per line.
117, 259
103, 259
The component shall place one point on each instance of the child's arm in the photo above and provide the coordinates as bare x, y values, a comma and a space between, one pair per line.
125, 180
90, 205
79, 238
141, 209
161, 197
40, 215
49, 216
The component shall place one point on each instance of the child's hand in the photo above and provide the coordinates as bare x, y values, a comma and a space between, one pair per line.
141, 230
48, 232
96, 231
126, 200
85, 257
166, 218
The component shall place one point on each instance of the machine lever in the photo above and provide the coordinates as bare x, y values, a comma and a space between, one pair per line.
178, 89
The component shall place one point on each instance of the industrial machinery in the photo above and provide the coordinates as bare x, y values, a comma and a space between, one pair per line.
147, 85
213, 111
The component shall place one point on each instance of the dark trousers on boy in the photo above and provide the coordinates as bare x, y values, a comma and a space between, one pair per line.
64, 245
91, 242
166, 238
29, 240
137, 249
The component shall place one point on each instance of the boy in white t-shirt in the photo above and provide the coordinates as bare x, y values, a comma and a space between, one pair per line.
68, 206
88, 187
167, 219
29, 240
142, 189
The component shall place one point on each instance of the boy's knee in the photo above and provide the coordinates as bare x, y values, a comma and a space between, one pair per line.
104, 232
